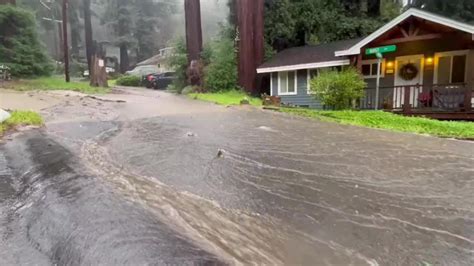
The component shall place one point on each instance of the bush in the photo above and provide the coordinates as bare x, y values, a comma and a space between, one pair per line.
338, 90
179, 62
20, 48
131, 81
221, 74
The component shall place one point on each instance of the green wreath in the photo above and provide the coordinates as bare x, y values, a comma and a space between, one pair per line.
408, 71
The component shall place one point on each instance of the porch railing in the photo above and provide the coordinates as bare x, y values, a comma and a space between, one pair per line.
438, 97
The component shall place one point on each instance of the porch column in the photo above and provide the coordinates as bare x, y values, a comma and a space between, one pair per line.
469, 81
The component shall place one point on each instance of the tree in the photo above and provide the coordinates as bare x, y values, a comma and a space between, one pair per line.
298, 22
137, 24
20, 48
118, 17
4, 2
457, 9
88, 33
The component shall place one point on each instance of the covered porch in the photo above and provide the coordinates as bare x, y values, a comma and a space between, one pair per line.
429, 71
448, 101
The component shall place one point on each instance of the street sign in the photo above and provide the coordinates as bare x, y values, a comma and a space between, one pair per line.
381, 49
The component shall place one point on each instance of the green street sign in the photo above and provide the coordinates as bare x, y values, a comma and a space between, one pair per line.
381, 50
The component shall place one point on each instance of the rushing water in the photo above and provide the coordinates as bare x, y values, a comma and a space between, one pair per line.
233, 187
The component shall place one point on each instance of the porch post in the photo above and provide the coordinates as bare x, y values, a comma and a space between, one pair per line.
406, 100
470, 81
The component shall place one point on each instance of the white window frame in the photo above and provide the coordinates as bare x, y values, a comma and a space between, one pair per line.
371, 62
287, 79
451, 54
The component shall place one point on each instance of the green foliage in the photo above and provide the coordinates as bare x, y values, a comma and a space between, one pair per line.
221, 74
19, 45
280, 21
389, 121
130, 81
456, 9
179, 62
232, 97
55, 83
21, 118
291, 23
338, 89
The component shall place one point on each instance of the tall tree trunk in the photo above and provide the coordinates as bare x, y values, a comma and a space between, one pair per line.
373, 8
65, 40
251, 46
4, 2
192, 10
124, 61
88, 33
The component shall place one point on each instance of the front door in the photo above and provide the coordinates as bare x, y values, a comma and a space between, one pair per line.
408, 72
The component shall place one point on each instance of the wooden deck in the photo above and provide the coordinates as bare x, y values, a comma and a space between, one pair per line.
443, 102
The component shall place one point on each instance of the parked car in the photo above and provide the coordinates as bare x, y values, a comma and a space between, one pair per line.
159, 81
141, 71
108, 70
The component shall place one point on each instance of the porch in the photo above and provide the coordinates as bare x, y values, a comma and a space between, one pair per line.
439, 101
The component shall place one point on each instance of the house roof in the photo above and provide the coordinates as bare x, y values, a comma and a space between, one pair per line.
306, 57
154, 60
413, 12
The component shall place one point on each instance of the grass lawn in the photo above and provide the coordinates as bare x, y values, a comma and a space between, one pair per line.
226, 98
21, 118
55, 83
384, 120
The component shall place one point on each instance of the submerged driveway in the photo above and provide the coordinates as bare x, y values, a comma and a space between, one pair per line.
252, 186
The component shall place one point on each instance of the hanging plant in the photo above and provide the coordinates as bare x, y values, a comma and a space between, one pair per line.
408, 71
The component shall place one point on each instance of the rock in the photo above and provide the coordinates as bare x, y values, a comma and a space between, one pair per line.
245, 101
4, 115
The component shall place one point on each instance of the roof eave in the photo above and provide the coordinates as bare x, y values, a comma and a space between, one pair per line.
333, 63
356, 49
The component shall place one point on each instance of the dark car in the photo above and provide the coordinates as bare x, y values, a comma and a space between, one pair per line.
160, 81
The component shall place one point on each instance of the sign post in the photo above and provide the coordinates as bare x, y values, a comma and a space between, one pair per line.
379, 51
377, 84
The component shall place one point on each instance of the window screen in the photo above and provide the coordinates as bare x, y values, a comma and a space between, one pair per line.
291, 82
459, 69
283, 82
444, 70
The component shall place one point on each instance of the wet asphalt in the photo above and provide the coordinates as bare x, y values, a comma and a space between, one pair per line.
166, 180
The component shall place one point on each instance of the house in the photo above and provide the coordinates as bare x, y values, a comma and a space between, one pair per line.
429, 65
161, 60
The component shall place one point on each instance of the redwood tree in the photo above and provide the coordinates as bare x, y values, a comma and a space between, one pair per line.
4, 2
251, 46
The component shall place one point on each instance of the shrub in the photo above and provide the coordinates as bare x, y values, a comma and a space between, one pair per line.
338, 89
131, 81
221, 74
20, 48
179, 62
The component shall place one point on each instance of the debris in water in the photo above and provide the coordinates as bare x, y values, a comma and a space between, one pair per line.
191, 134
220, 153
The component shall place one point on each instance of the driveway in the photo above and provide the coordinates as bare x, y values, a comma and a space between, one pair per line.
240, 185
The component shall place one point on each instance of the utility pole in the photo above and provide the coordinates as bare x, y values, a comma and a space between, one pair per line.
88, 33
65, 41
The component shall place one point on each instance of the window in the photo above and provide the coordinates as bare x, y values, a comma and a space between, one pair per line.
287, 83
450, 67
369, 68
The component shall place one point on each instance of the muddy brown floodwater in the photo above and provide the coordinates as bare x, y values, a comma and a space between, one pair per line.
163, 179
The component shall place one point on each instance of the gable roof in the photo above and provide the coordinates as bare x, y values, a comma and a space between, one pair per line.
306, 57
355, 49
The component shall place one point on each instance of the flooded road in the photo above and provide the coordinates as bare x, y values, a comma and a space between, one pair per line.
162, 179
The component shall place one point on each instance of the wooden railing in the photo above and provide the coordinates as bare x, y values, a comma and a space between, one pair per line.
438, 97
